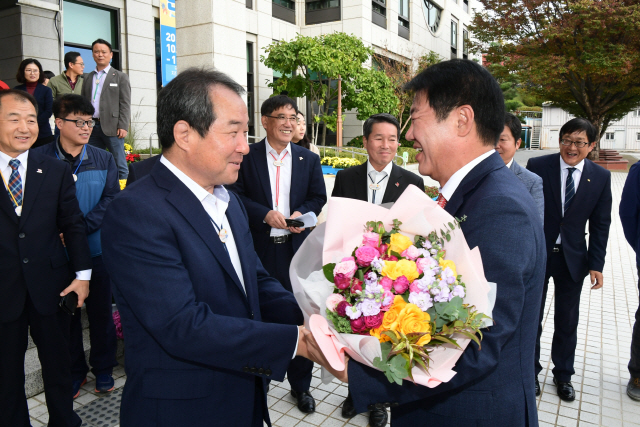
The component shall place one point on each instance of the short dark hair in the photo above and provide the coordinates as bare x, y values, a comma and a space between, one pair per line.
19, 94
20, 75
102, 41
187, 98
276, 102
70, 58
49, 74
514, 125
367, 128
579, 125
68, 104
451, 84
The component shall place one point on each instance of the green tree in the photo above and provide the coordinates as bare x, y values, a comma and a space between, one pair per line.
311, 66
582, 55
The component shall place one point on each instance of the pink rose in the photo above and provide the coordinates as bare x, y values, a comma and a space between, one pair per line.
387, 300
371, 322
424, 264
358, 325
390, 258
366, 254
347, 258
383, 249
333, 301
371, 239
341, 308
386, 283
400, 285
413, 287
346, 267
341, 281
411, 252
356, 286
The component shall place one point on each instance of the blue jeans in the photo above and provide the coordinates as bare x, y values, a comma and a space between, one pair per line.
115, 146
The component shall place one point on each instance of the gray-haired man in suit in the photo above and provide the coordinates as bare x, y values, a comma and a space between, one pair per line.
110, 93
507, 146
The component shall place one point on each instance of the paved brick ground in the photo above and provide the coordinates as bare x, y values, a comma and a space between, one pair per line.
606, 319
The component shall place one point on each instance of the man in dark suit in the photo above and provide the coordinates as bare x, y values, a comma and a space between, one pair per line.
507, 146
280, 180
109, 91
379, 180
630, 219
35, 268
456, 119
206, 325
576, 191
141, 169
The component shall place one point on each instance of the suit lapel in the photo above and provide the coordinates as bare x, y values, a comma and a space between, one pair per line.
360, 182
263, 171
35, 180
7, 205
392, 192
236, 218
556, 182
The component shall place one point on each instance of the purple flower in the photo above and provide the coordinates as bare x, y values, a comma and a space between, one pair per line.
377, 264
371, 278
387, 300
353, 312
458, 291
443, 295
426, 264
370, 307
421, 299
447, 276
373, 290
426, 244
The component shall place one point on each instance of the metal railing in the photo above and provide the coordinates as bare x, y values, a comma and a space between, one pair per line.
354, 151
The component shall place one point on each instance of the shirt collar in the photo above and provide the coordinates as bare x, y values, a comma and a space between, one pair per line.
510, 163
564, 166
104, 70
270, 148
386, 169
219, 192
452, 185
4, 159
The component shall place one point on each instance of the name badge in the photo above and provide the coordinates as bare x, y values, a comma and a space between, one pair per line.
374, 186
278, 163
113, 84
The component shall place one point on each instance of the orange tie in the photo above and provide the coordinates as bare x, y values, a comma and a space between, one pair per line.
442, 202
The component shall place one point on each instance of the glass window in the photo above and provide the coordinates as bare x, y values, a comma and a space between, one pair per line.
322, 4
250, 90
83, 24
465, 43
404, 8
465, 5
454, 35
637, 136
286, 3
432, 15
610, 136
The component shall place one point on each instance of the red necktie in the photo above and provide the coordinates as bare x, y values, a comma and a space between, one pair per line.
442, 202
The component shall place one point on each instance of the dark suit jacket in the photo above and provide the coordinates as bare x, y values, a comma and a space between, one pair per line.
44, 96
353, 183
141, 169
494, 386
32, 258
630, 209
199, 350
115, 100
592, 203
308, 192
533, 183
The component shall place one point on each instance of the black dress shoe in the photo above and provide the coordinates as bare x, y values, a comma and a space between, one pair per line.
306, 403
348, 411
537, 387
565, 390
378, 418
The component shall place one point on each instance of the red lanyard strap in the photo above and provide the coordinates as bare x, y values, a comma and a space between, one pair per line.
277, 163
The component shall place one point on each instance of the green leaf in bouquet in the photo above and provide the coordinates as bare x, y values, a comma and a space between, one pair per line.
328, 271
445, 339
392, 336
360, 274
398, 368
396, 254
396, 225
451, 226
341, 324
471, 336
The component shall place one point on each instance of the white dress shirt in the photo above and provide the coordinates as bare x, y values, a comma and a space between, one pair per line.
378, 179
22, 169
284, 183
98, 80
452, 185
216, 207
510, 163
564, 173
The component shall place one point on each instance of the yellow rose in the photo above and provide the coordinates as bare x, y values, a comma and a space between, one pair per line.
378, 333
404, 267
399, 243
412, 319
390, 319
448, 263
424, 340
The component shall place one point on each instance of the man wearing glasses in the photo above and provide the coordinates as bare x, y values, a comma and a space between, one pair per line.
278, 181
576, 191
96, 177
71, 80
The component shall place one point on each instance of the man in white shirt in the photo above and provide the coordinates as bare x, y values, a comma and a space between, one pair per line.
280, 181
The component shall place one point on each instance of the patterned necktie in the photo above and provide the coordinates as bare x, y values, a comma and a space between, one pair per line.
15, 183
569, 189
442, 202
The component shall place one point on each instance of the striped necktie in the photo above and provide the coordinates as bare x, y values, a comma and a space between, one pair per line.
569, 189
442, 202
15, 183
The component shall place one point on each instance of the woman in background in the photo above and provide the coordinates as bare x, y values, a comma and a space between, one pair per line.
299, 135
31, 76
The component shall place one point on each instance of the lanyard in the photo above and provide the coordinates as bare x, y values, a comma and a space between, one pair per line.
75, 177
222, 233
98, 77
15, 202
375, 186
277, 163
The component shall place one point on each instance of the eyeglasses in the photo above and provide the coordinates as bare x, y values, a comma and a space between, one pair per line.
578, 144
81, 123
32, 71
283, 119
79, 63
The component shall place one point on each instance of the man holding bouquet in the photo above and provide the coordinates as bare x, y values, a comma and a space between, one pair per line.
457, 117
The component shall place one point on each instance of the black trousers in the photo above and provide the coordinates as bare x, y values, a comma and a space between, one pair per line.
102, 331
566, 317
50, 334
634, 362
276, 260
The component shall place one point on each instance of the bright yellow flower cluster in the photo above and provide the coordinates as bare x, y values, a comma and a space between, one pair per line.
399, 243
404, 267
444, 263
406, 318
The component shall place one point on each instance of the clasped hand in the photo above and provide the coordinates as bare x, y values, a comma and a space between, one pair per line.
276, 220
308, 347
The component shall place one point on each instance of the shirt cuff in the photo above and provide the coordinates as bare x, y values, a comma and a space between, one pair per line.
296, 349
83, 275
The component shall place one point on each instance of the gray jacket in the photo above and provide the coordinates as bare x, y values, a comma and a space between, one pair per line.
115, 100
533, 183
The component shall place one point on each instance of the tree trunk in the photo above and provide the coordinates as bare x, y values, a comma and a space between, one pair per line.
597, 121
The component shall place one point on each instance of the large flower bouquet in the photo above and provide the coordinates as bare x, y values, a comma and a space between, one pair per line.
403, 292
397, 302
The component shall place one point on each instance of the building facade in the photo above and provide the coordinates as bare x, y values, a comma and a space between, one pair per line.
229, 35
623, 135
